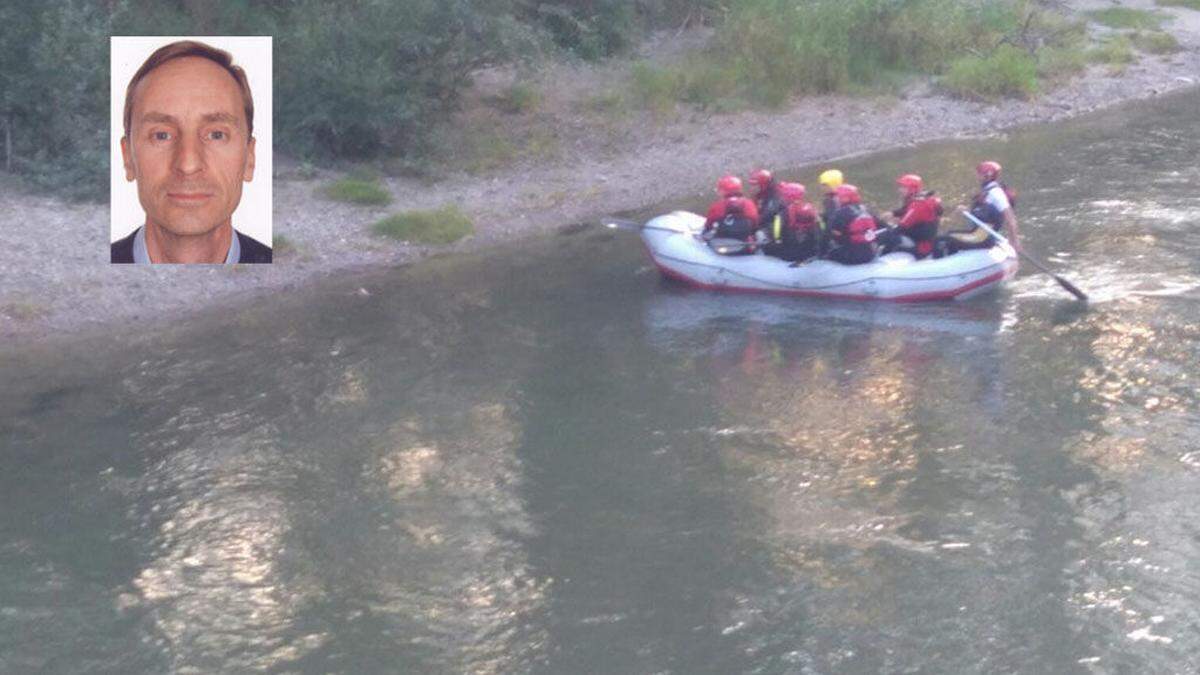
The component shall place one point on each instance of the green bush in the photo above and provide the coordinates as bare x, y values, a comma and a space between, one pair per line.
439, 226
1007, 71
367, 78
55, 96
594, 29
781, 48
1155, 42
711, 83
1066, 54
1124, 17
1115, 51
1061, 62
597, 29
356, 190
655, 88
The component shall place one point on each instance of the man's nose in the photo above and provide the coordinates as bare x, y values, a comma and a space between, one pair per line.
189, 155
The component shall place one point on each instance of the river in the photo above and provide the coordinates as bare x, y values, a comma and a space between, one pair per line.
546, 459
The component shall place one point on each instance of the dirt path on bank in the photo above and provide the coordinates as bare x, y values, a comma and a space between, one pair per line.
57, 279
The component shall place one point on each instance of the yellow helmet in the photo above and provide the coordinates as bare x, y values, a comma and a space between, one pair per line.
831, 178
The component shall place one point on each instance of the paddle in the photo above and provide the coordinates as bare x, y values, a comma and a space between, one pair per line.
634, 226
724, 246
1070, 287
719, 246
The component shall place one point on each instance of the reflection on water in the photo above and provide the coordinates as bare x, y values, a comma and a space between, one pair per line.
547, 460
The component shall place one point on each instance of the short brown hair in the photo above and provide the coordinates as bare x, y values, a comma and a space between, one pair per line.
178, 50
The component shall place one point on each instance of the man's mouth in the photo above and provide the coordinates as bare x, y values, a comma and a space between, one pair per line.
191, 193
189, 197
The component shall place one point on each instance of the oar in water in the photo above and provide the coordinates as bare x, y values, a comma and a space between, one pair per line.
1070, 287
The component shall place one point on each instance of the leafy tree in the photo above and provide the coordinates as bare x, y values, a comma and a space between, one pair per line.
56, 94
353, 79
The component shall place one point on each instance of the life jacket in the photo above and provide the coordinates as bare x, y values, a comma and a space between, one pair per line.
919, 220
853, 225
861, 230
794, 222
735, 213
984, 211
735, 223
777, 229
802, 217
769, 204
931, 202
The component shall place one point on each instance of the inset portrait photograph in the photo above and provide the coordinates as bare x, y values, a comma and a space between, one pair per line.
191, 150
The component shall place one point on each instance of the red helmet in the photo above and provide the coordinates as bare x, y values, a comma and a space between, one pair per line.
791, 192
989, 170
761, 178
729, 186
847, 194
911, 183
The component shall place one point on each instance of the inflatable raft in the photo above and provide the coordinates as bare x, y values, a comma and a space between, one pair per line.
674, 243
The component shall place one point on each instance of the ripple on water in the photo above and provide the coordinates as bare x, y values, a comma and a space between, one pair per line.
1106, 283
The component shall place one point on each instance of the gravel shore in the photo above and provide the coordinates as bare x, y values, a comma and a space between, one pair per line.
58, 281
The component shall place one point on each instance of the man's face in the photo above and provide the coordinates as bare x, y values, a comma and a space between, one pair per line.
188, 146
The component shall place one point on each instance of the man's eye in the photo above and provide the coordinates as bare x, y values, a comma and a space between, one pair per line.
217, 135
161, 136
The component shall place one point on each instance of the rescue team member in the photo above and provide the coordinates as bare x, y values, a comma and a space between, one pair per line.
829, 180
917, 219
766, 197
993, 204
732, 216
852, 229
794, 233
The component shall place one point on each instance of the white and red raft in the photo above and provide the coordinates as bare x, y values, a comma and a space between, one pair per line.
674, 244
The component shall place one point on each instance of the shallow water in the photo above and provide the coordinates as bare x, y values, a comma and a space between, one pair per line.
545, 459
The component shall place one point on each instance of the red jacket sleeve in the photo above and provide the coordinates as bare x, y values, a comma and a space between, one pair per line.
716, 211
750, 210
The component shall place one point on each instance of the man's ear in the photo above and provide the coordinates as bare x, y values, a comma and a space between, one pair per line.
248, 172
127, 158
